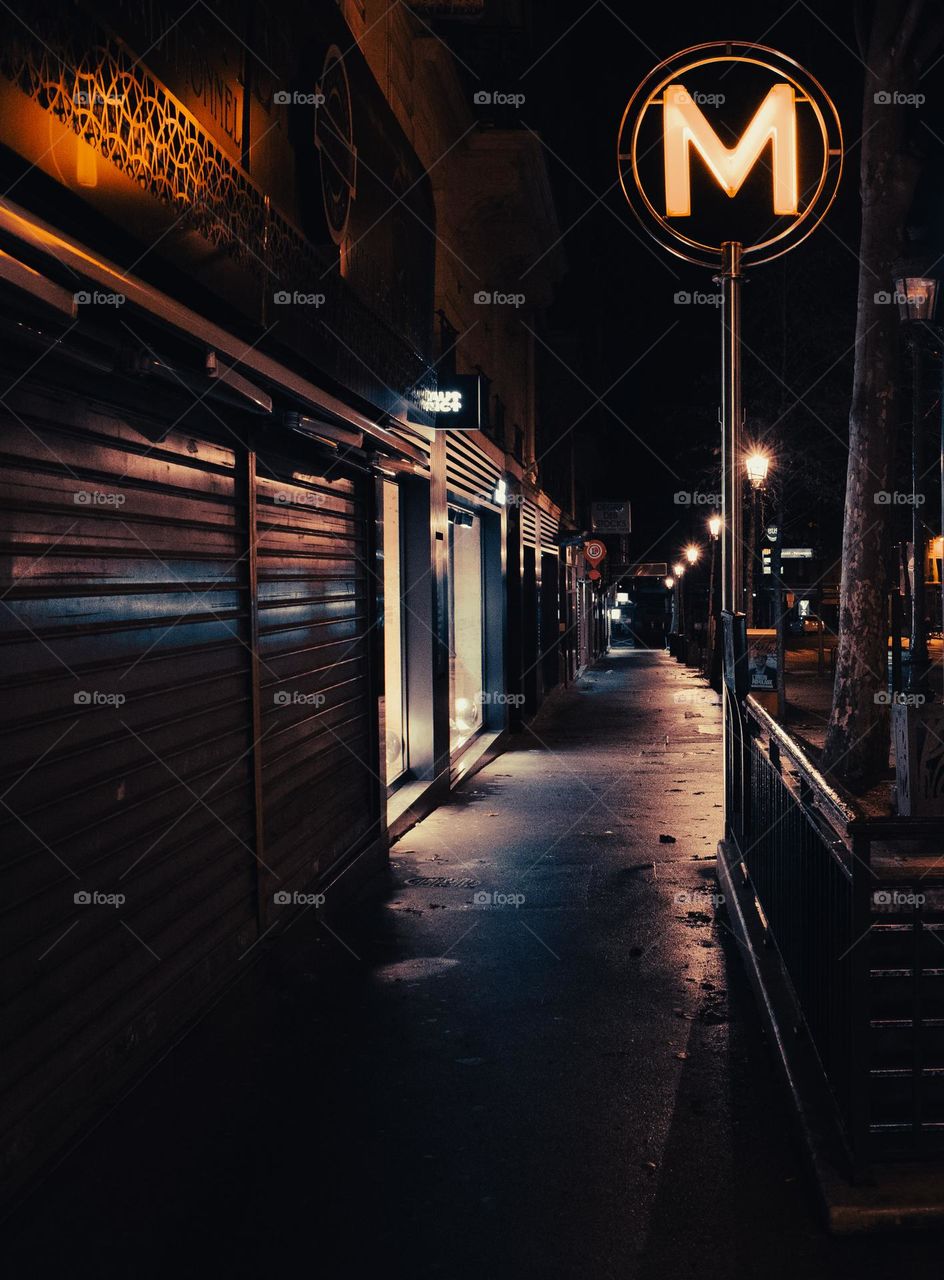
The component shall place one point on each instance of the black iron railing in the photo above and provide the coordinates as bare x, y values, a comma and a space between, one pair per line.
854, 907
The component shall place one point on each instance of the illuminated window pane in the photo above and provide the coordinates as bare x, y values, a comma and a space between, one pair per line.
393, 633
465, 631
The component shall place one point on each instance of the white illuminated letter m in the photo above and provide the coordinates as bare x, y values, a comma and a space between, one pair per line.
684, 127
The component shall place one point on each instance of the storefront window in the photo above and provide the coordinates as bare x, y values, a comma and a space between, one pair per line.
393, 633
465, 627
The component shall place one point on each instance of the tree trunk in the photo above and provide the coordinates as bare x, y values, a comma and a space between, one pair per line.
857, 737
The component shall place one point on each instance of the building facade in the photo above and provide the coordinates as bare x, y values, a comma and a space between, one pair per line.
262, 608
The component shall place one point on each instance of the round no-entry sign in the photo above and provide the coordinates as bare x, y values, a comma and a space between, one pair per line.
594, 551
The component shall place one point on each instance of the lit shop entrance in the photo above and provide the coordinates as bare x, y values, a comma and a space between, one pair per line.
466, 627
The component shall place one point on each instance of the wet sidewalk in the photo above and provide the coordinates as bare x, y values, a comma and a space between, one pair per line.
532, 1055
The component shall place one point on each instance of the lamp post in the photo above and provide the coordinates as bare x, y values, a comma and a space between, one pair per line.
714, 531
678, 569
917, 300
757, 464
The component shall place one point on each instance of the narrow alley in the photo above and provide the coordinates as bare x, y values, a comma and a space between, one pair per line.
532, 1055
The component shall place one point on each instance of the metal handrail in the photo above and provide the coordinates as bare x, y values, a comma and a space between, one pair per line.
847, 817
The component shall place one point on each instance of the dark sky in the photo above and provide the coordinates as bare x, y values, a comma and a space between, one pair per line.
660, 432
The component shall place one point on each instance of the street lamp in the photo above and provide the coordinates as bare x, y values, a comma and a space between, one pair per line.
678, 569
916, 297
669, 583
917, 301
692, 553
714, 526
757, 465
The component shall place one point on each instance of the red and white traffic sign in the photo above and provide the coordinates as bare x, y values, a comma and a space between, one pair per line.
594, 551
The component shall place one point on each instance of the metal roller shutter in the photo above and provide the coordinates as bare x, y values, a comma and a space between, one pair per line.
127, 730
319, 759
147, 754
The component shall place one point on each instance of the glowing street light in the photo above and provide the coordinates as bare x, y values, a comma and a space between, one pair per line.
757, 465
678, 569
669, 583
692, 553
714, 526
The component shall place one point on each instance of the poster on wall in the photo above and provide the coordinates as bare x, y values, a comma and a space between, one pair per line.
762, 660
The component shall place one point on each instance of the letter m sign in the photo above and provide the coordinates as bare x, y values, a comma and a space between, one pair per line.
685, 128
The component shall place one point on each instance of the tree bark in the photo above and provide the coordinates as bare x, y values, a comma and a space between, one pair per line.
857, 737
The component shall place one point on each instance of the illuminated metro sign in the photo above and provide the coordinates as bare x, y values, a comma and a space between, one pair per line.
729, 142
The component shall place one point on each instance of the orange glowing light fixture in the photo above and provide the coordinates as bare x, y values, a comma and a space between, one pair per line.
670, 583
714, 525
678, 569
757, 465
685, 127
692, 553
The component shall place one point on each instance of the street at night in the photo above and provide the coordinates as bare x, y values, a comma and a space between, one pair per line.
472, 592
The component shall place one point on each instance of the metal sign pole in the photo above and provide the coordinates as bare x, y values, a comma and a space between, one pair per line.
732, 577
732, 515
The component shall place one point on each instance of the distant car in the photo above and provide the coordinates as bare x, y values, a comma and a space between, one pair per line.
811, 622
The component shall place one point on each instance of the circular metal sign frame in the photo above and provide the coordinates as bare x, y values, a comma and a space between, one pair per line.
809, 91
